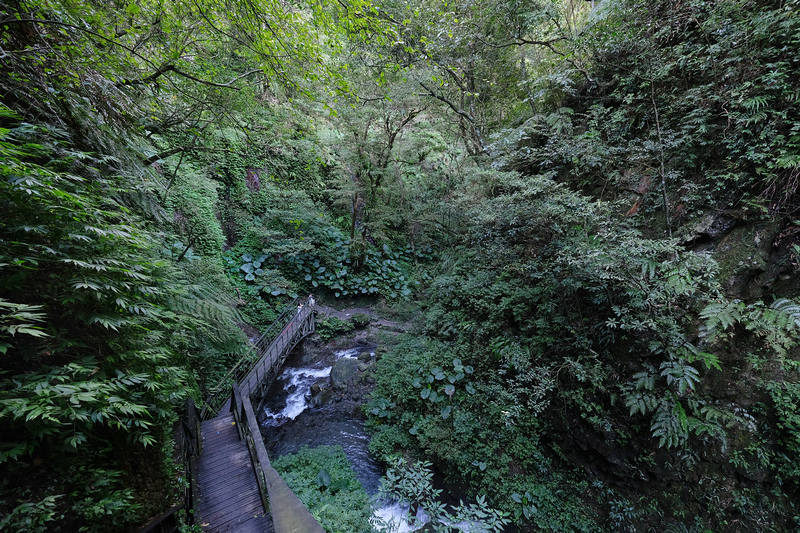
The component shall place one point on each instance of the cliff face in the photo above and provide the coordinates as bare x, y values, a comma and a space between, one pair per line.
744, 477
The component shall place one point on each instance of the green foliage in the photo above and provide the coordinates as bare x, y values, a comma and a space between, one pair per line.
299, 252
360, 320
19, 318
480, 440
67, 397
774, 323
554, 324
33, 517
560, 256
99, 280
100, 498
662, 83
329, 327
98, 330
775, 328
324, 481
412, 483
567, 318
193, 199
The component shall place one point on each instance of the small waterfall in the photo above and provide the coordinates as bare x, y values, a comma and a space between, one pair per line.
297, 383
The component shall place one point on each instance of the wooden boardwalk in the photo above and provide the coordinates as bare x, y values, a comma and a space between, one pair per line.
300, 325
228, 497
234, 460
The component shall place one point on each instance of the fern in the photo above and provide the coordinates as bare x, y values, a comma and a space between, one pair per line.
756, 103
644, 380
788, 309
720, 316
640, 402
681, 374
670, 424
679, 281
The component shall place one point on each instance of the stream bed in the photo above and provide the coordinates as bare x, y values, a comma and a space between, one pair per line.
288, 422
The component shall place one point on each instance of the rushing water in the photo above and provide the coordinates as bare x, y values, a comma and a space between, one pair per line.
289, 423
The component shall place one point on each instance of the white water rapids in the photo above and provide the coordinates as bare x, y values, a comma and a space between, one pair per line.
349, 434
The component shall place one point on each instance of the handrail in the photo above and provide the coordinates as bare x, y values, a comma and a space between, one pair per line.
289, 514
287, 339
246, 433
189, 444
192, 446
218, 395
189, 441
166, 522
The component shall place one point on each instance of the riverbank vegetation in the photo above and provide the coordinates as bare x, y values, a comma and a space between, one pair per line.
324, 481
592, 208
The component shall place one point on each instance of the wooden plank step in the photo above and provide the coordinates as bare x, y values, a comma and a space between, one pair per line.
257, 524
245, 506
213, 498
218, 424
225, 458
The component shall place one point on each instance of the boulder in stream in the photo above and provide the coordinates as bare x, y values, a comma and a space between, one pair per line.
317, 387
343, 373
320, 399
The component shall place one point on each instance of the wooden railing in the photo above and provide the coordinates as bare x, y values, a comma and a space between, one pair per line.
242, 410
289, 515
295, 329
263, 354
189, 445
294, 324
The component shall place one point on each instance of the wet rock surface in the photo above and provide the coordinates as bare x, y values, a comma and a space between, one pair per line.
344, 373
333, 414
331, 400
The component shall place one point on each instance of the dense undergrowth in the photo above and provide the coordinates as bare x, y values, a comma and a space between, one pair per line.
648, 381
324, 481
100, 332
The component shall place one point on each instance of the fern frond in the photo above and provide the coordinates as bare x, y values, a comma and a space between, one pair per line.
644, 380
670, 424
680, 373
788, 308
719, 316
679, 281
640, 402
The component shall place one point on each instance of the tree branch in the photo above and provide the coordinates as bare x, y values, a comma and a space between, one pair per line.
449, 103
159, 71
172, 151
168, 67
521, 41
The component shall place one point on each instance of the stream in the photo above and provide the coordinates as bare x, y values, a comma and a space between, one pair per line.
288, 423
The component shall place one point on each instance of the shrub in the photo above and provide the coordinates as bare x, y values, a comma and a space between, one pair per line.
360, 320
331, 326
325, 482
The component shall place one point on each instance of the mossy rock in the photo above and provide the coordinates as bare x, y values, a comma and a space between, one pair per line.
329, 327
742, 255
343, 373
360, 320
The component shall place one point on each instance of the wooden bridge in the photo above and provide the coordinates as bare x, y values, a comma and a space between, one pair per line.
234, 487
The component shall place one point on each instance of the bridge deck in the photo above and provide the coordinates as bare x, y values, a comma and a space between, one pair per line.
228, 497
272, 356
